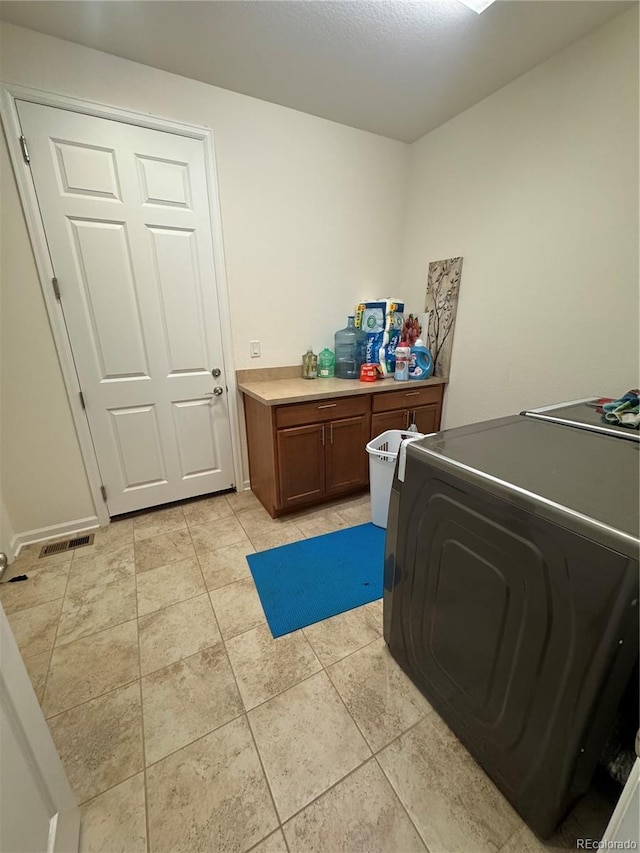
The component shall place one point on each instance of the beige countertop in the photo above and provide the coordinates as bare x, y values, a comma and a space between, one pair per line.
279, 392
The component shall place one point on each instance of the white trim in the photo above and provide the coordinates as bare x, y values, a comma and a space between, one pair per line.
9, 93
246, 486
65, 102
41, 534
224, 307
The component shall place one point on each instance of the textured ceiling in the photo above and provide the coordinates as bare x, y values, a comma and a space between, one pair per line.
394, 67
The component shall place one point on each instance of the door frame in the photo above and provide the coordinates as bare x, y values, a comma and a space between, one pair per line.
9, 94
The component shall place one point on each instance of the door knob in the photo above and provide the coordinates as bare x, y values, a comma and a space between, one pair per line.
216, 372
216, 392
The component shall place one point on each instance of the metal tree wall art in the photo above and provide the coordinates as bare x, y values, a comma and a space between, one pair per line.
443, 286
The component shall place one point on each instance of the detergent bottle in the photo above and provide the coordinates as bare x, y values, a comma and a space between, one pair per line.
421, 366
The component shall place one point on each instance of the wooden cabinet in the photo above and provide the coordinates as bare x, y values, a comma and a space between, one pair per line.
399, 409
426, 418
383, 421
302, 454
301, 464
322, 459
347, 465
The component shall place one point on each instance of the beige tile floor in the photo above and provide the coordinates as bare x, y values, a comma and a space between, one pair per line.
184, 726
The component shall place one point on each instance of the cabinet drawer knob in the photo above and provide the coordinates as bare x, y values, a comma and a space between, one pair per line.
412, 394
328, 406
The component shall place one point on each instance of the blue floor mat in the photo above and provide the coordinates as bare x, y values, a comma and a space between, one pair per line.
308, 581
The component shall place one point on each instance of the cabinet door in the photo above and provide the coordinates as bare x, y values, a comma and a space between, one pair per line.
389, 420
347, 460
427, 418
301, 464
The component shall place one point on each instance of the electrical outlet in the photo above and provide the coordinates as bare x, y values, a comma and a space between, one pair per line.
254, 349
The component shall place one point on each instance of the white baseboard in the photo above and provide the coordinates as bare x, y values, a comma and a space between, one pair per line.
80, 525
246, 485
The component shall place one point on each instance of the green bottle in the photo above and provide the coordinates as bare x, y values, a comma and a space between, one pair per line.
326, 364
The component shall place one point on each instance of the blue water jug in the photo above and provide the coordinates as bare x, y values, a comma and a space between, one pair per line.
350, 351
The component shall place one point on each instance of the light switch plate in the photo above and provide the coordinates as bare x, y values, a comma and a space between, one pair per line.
254, 349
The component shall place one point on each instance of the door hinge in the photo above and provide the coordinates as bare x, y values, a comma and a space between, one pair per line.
25, 150
82, 403
103, 492
56, 288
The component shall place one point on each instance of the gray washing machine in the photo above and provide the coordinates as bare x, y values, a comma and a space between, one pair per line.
511, 596
582, 414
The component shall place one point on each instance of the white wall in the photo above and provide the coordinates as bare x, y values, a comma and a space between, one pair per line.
537, 187
311, 214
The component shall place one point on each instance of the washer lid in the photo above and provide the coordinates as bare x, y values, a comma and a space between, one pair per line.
583, 415
552, 469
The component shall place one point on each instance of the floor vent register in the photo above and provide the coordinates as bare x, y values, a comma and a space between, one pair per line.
66, 545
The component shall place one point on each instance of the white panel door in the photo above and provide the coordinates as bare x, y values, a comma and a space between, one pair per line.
126, 214
38, 811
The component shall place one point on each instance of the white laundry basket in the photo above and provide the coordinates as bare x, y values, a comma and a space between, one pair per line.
383, 452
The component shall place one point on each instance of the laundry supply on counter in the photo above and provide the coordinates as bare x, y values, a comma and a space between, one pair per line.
310, 364
421, 362
381, 321
403, 357
326, 364
369, 372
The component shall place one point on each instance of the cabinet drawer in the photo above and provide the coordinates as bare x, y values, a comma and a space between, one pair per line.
321, 410
408, 398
